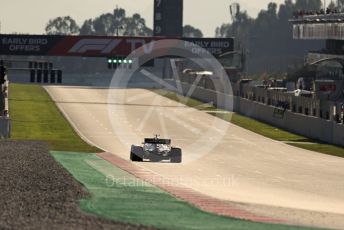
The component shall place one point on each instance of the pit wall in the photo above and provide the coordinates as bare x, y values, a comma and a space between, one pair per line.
326, 130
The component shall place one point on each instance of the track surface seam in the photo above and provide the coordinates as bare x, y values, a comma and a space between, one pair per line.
201, 201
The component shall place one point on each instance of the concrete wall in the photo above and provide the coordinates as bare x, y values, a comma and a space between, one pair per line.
5, 128
5, 122
308, 126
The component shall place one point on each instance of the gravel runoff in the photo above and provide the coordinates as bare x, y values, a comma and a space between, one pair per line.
37, 193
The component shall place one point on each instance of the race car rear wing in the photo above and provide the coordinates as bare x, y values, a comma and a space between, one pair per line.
158, 141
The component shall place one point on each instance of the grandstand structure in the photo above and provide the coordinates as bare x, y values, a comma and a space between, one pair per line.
328, 27
328, 62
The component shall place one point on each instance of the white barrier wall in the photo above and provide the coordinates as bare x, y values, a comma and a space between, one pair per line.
311, 127
308, 126
5, 128
5, 121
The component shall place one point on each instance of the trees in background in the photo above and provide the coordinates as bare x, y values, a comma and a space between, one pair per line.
102, 25
62, 26
136, 26
110, 24
87, 28
116, 23
268, 40
192, 32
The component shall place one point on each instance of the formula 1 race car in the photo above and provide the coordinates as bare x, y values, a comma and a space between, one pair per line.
156, 150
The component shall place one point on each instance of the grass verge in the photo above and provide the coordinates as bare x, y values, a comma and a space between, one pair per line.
35, 117
119, 196
259, 127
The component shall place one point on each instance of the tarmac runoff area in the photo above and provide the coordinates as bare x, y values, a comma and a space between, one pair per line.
256, 173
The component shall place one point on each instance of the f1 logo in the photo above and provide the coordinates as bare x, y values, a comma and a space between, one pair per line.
105, 46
